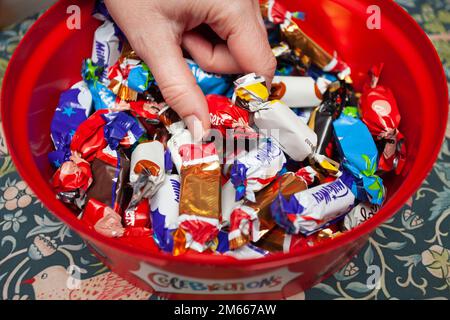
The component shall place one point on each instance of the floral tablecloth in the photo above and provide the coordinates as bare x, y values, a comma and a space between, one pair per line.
412, 250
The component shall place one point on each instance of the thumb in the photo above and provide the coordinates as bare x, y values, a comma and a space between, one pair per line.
161, 50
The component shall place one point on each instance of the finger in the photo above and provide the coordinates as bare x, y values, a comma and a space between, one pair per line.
211, 58
161, 50
247, 41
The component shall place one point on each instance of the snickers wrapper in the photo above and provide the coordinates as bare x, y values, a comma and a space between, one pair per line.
251, 220
199, 198
165, 206
309, 211
299, 92
110, 184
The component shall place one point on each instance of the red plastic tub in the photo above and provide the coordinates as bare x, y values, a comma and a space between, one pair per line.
48, 61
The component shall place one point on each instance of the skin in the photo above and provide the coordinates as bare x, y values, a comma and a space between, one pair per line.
158, 30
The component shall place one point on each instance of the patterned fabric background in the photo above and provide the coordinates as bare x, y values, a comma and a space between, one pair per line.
412, 249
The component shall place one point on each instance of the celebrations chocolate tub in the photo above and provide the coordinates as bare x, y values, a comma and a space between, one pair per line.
364, 32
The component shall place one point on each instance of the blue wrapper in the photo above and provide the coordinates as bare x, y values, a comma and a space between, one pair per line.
118, 126
211, 83
140, 78
316, 73
102, 96
100, 11
360, 157
74, 107
314, 209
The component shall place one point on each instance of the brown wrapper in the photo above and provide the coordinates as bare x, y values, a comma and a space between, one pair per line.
104, 175
288, 184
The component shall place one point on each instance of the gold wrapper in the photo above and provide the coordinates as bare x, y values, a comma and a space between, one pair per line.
200, 190
288, 185
299, 40
273, 241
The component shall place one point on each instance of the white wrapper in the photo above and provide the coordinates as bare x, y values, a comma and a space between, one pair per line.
167, 201
300, 91
149, 155
247, 252
84, 96
361, 213
105, 51
280, 123
228, 201
180, 136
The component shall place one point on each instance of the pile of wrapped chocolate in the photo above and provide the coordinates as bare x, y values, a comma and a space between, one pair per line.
285, 168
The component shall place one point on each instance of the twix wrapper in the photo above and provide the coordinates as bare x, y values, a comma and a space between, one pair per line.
199, 198
275, 12
251, 220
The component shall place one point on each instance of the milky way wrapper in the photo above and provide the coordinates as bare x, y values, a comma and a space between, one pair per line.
308, 211
254, 170
381, 115
251, 220
274, 118
298, 92
199, 198
359, 156
110, 184
165, 206
360, 214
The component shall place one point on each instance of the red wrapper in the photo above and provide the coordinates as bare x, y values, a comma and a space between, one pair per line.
103, 219
380, 113
89, 137
225, 115
73, 175
138, 216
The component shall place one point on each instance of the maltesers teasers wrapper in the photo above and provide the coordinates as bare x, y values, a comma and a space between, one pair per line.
274, 118
73, 109
254, 170
103, 219
251, 220
226, 116
359, 156
165, 205
199, 198
308, 211
381, 115
298, 92
275, 12
359, 214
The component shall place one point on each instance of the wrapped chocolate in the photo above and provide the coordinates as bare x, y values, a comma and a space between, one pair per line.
102, 96
211, 83
254, 170
121, 129
110, 184
360, 214
129, 76
199, 198
298, 92
228, 202
106, 48
251, 220
248, 251
278, 240
72, 180
73, 109
179, 135
360, 157
165, 206
308, 211
227, 117
275, 12
381, 115
137, 215
274, 118
103, 219
147, 170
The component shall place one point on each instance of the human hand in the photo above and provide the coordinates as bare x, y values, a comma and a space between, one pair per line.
159, 29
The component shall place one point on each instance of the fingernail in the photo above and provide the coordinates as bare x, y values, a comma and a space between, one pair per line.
195, 126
